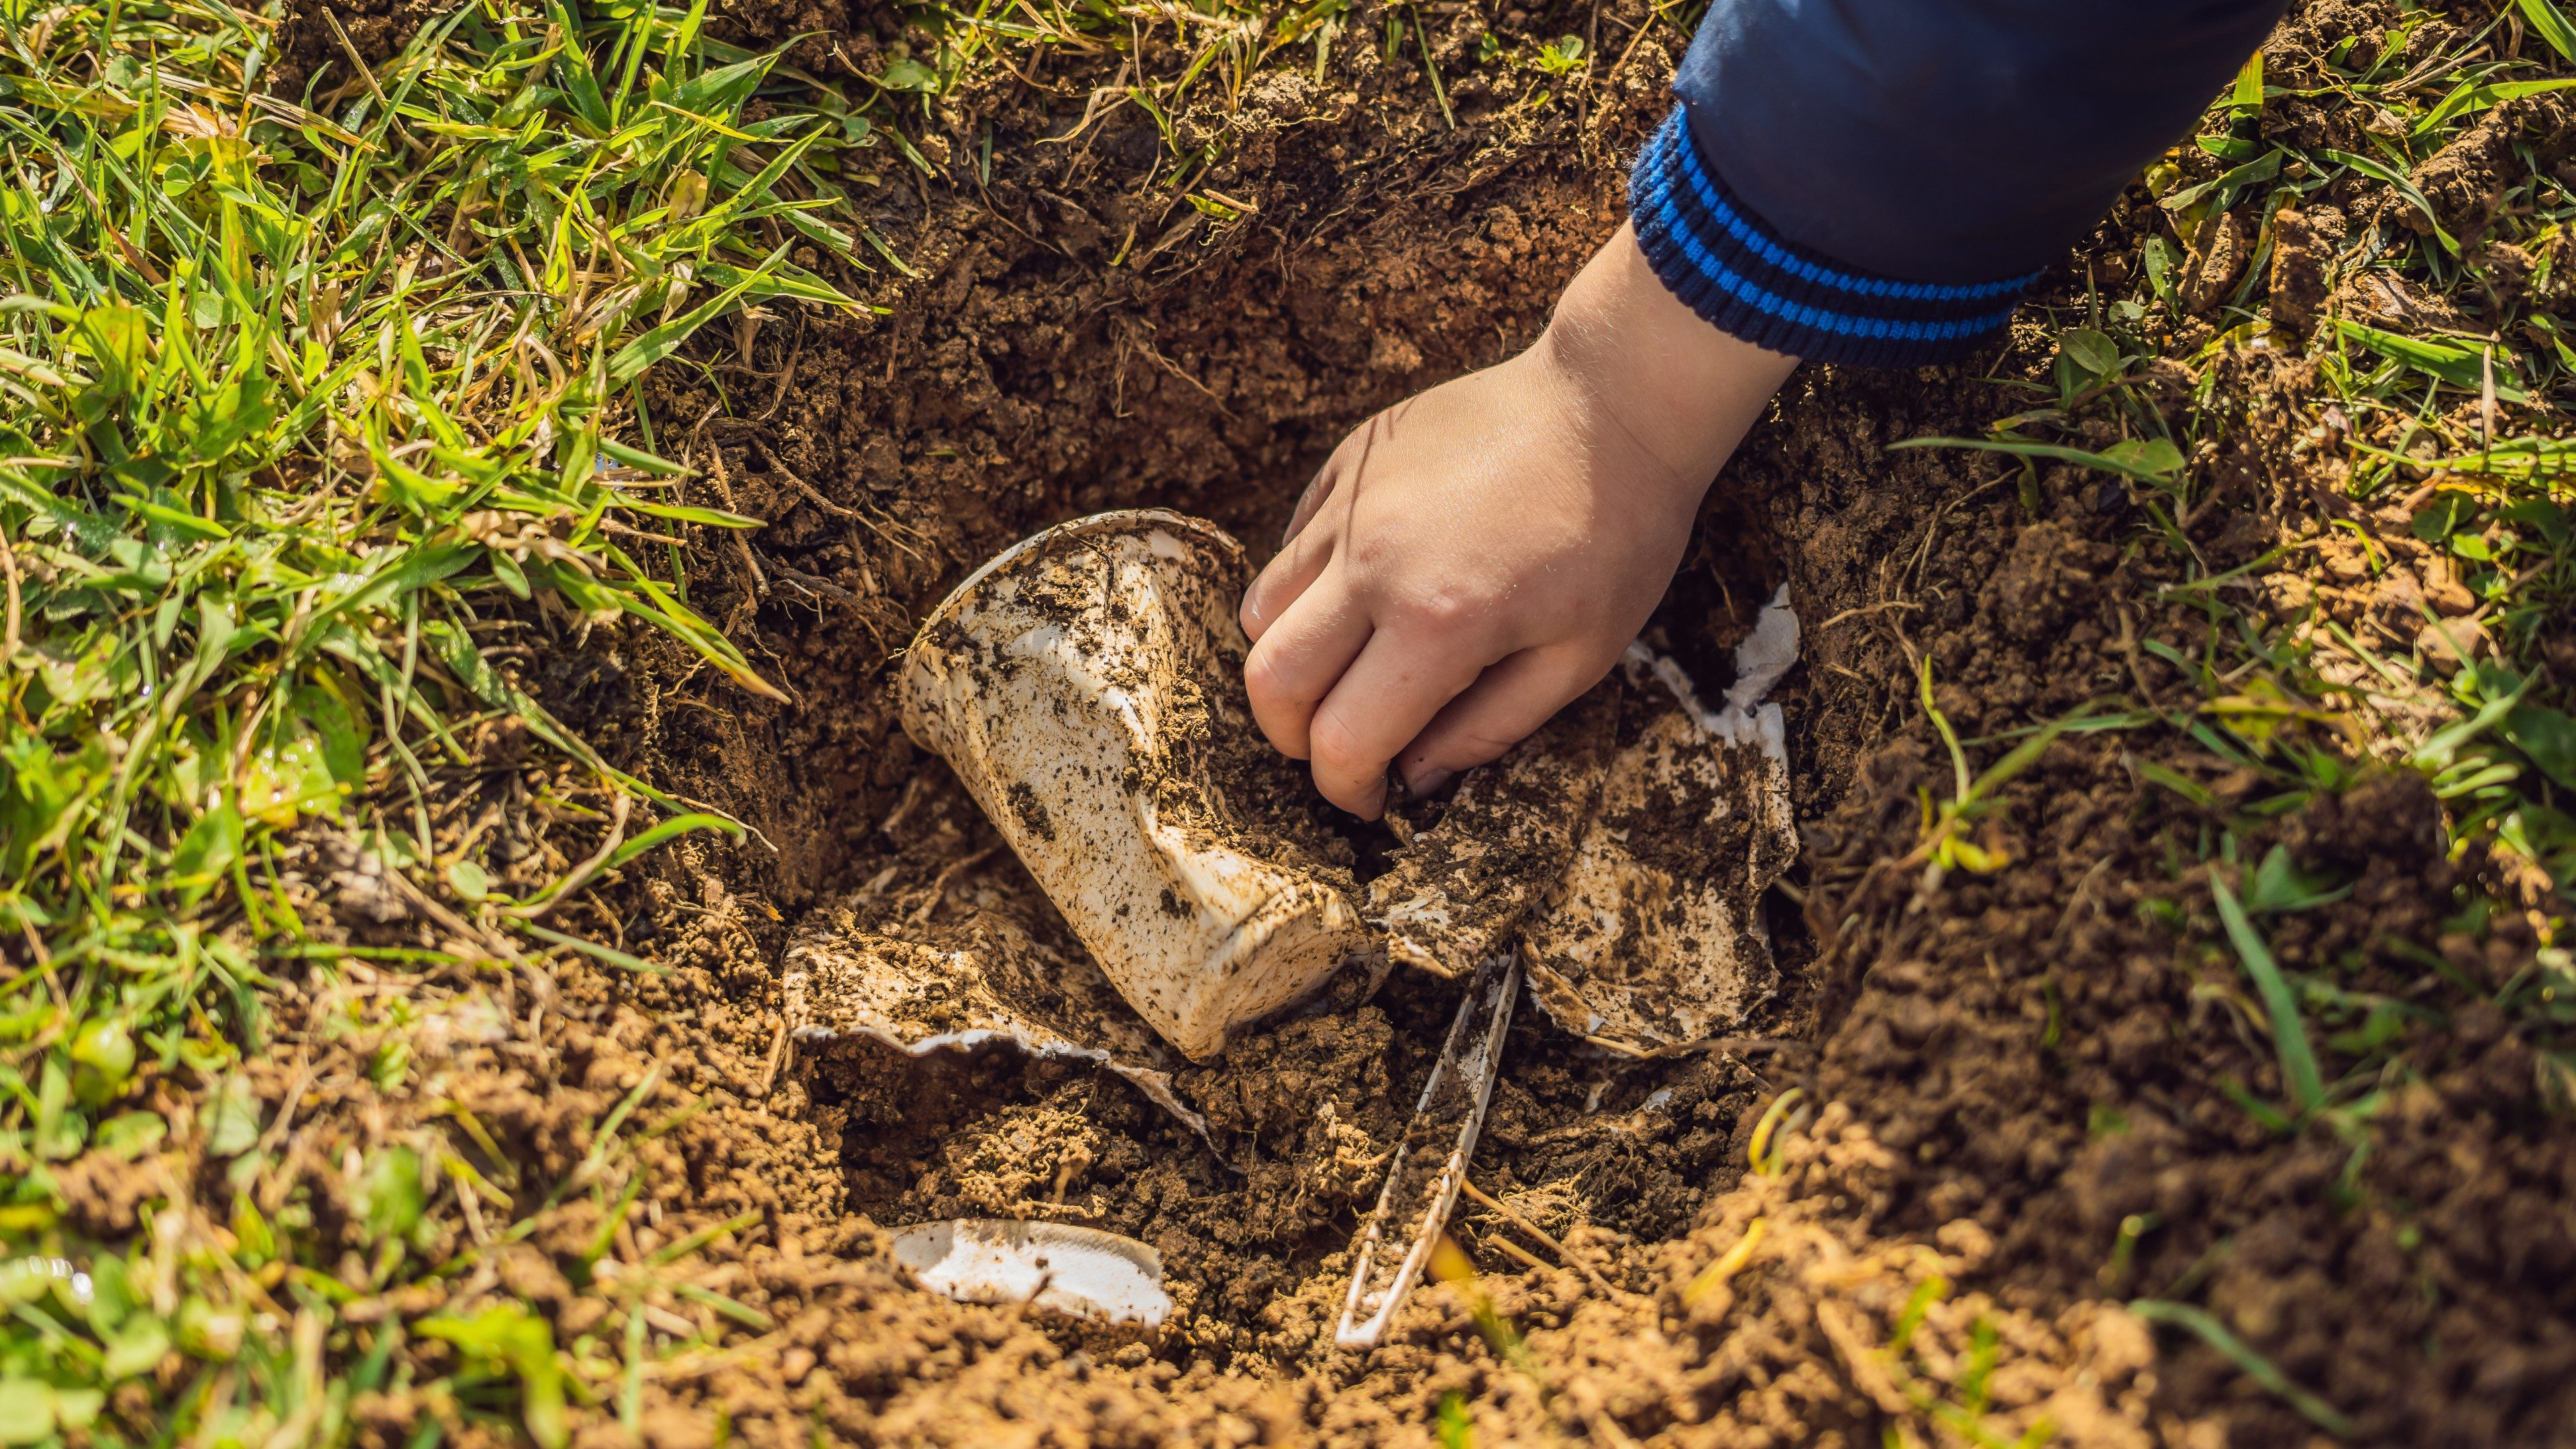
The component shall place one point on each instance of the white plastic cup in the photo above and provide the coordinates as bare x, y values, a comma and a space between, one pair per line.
1071, 683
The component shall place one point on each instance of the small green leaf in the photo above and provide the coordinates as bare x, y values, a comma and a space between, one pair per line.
232, 1119
131, 1134
2547, 736
106, 1047
470, 880
394, 1195
206, 852
717, 92
77, 1408
675, 826
2144, 457
690, 513
2443, 516
2247, 98
2289, 1034
2225, 185
2280, 886
2157, 255
2461, 367
2256, 1367
507, 1335
139, 1343
26, 1411
102, 1060
906, 74
2470, 97
2091, 350
2149, 461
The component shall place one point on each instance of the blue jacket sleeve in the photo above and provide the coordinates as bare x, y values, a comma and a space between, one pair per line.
1878, 181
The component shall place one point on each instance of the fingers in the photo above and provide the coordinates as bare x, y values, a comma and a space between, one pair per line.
1312, 499
1301, 556
1284, 581
1505, 704
1295, 661
1381, 702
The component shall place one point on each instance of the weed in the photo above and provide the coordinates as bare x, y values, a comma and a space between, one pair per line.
1945, 846
1450, 1264
2256, 1367
2289, 1033
1454, 1428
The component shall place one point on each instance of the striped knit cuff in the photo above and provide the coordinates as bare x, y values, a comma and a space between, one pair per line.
1720, 258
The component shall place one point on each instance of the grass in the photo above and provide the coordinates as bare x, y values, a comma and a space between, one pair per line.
2451, 430
322, 411
313, 407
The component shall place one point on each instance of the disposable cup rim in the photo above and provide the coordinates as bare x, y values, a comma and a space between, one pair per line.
1117, 520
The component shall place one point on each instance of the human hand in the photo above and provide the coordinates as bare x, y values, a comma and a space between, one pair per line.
1476, 556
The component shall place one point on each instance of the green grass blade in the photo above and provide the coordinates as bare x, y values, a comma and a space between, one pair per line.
2261, 1370
2289, 1034
2550, 23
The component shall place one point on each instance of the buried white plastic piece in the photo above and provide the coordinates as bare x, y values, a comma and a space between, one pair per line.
1072, 684
1652, 941
921, 998
1080, 1272
1425, 1169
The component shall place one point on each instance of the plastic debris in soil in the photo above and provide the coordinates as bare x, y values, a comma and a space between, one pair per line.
1002, 987
1085, 685
1627, 844
1080, 1272
1617, 859
1424, 1172
1653, 939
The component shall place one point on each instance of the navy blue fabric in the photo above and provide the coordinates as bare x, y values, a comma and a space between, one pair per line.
1827, 153
1736, 273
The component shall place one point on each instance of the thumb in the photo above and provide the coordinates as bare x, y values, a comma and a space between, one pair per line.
1507, 703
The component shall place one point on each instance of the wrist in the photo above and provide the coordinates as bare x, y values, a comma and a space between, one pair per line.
1680, 389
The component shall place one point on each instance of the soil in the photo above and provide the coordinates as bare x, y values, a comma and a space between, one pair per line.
2009, 1120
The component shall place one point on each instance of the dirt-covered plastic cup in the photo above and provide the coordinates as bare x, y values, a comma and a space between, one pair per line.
1078, 685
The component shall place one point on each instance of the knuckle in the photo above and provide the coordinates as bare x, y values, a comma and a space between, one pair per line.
1437, 612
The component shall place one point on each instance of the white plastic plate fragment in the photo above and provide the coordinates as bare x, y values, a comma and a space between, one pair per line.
1653, 940
999, 987
1625, 848
1080, 1272
1085, 686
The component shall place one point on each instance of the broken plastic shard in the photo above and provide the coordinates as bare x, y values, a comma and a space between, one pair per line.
1076, 683
1628, 845
1423, 1175
1081, 1272
1459, 891
921, 998
1653, 939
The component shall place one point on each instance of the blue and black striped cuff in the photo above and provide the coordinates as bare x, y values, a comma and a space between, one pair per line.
1718, 257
